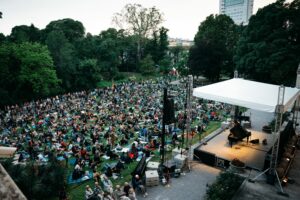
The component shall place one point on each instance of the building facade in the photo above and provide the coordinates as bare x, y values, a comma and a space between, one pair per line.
238, 10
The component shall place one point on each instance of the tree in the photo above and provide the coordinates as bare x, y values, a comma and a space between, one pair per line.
109, 53
88, 74
64, 57
269, 48
157, 46
180, 59
138, 21
214, 44
2, 38
26, 72
37, 181
25, 33
72, 29
147, 65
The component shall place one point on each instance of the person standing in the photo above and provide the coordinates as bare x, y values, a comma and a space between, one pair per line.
200, 130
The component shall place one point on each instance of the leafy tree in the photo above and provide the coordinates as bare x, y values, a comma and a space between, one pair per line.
175, 53
158, 45
269, 48
214, 44
147, 65
225, 186
165, 65
37, 181
2, 38
128, 54
72, 29
87, 47
163, 43
25, 33
109, 53
88, 74
26, 72
180, 60
64, 57
138, 21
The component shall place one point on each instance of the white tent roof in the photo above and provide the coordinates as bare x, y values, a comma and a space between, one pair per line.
249, 94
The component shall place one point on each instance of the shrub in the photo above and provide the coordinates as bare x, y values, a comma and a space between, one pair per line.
224, 187
37, 181
237, 162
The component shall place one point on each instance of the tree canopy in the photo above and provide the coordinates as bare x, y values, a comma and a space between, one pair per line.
213, 50
26, 71
62, 58
269, 48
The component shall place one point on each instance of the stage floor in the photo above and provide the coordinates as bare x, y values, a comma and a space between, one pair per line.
253, 155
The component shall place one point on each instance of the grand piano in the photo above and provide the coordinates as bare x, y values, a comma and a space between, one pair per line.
238, 133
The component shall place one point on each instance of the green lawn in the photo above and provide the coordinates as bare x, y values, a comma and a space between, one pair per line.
127, 77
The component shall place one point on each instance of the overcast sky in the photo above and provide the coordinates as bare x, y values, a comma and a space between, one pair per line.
182, 17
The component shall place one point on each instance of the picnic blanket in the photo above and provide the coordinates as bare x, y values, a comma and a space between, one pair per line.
84, 178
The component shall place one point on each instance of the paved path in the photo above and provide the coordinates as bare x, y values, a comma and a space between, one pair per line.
191, 186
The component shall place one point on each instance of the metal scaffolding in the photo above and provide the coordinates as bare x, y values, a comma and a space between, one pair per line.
271, 171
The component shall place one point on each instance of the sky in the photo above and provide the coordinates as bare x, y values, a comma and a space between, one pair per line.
181, 17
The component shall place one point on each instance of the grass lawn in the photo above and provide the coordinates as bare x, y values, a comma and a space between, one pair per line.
127, 76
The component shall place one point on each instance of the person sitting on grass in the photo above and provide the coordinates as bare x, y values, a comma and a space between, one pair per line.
107, 185
98, 192
119, 194
89, 194
126, 188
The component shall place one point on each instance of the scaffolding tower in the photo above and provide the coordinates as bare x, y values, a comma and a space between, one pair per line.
271, 171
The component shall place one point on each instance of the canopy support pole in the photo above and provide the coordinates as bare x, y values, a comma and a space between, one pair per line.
271, 171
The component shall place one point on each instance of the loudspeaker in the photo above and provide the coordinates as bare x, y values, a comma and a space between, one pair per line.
169, 111
255, 141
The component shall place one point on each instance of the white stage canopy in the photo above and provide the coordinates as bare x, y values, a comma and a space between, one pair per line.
249, 94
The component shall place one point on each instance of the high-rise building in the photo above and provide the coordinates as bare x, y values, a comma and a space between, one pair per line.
239, 10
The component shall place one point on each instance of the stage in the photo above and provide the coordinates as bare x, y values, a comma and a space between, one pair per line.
217, 151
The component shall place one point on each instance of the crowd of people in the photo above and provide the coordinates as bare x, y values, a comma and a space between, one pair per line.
118, 123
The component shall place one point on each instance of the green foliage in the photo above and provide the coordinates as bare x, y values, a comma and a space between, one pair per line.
2, 38
157, 46
26, 71
64, 57
147, 65
180, 60
269, 48
109, 53
71, 29
79, 61
25, 33
224, 187
213, 50
165, 65
88, 74
37, 181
